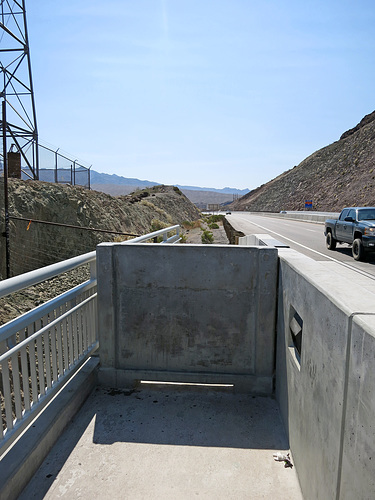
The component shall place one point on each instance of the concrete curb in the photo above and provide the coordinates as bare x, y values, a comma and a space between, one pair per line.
316, 218
21, 462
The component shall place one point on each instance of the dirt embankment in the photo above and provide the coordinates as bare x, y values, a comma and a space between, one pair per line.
34, 244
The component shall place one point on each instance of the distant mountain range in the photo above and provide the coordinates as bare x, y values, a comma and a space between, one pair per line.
117, 185
118, 180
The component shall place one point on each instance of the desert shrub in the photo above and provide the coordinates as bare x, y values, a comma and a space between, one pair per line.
119, 238
148, 204
214, 218
213, 226
159, 211
186, 224
157, 224
207, 237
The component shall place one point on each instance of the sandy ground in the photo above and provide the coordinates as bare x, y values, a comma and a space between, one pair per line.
194, 236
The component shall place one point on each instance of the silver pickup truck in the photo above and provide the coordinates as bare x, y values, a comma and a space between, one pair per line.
356, 226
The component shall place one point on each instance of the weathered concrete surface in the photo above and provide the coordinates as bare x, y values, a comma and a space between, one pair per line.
169, 444
327, 398
187, 313
358, 462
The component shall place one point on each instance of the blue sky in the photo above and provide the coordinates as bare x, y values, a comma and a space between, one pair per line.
200, 92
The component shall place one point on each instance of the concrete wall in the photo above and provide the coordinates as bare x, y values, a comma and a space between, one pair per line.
327, 395
187, 313
194, 313
358, 456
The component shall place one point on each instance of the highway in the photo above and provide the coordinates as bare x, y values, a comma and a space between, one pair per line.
305, 237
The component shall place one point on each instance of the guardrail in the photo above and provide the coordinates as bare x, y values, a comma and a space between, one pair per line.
42, 349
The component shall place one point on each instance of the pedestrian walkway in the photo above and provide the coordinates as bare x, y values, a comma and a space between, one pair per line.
169, 442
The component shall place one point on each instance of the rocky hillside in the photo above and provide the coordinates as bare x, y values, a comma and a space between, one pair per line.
341, 174
35, 244
201, 198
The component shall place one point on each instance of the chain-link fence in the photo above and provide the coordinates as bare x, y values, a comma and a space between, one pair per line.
56, 167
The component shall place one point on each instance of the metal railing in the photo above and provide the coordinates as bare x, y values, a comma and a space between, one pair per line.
42, 349
164, 233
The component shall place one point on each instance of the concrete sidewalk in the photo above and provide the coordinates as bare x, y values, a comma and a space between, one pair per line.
169, 442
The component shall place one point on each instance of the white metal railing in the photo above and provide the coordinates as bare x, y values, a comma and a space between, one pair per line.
42, 349
161, 232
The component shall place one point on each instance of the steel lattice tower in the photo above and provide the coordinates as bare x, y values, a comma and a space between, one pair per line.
16, 87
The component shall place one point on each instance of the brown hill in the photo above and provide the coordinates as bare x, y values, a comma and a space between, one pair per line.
34, 244
198, 197
341, 174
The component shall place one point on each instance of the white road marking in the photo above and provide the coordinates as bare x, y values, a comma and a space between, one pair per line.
311, 250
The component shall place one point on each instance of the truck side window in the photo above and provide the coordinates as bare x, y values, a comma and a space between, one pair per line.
352, 214
344, 213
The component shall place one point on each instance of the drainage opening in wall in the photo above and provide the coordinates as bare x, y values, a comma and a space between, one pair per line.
192, 385
295, 334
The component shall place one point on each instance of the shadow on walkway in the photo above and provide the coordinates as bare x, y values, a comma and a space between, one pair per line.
169, 442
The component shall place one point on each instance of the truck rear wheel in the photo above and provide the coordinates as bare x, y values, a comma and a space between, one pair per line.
358, 250
330, 241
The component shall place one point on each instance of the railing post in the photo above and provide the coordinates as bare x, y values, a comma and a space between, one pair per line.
93, 270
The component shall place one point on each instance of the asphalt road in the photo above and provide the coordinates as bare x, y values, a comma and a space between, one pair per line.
305, 237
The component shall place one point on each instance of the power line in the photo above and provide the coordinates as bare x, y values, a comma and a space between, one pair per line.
74, 227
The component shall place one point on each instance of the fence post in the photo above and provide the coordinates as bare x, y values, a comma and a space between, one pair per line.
56, 179
6, 202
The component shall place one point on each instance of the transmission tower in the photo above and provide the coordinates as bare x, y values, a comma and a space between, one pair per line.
16, 87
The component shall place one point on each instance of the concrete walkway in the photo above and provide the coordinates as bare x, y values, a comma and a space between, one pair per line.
169, 442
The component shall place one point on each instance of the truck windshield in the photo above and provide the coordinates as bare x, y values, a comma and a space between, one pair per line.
368, 214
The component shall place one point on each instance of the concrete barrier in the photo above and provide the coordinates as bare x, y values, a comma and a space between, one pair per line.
317, 217
261, 240
325, 373
208, 314
326, 392
187, 313
358, 444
